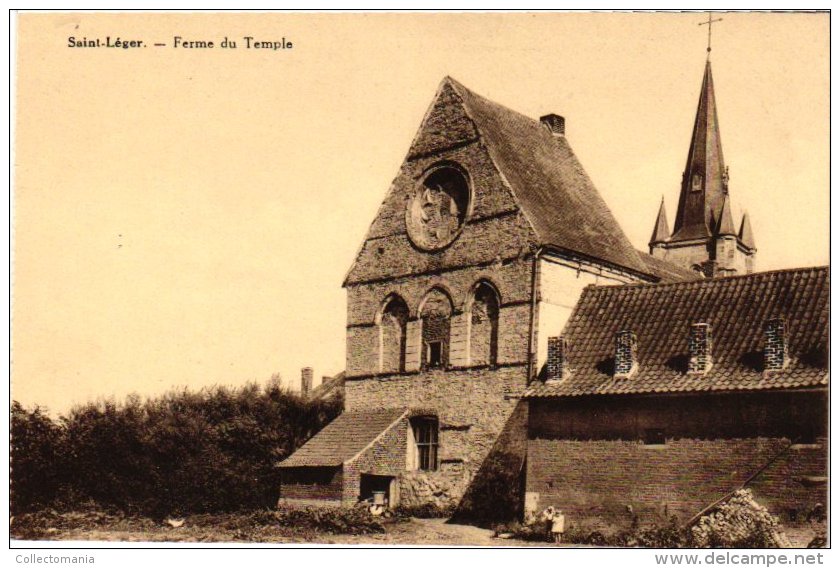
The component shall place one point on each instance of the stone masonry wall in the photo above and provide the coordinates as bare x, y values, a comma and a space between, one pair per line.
472, 406
688, 256
512, 279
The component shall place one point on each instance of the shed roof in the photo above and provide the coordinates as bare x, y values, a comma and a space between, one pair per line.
343, 438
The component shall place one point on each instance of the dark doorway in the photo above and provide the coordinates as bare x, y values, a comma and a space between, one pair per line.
379, 487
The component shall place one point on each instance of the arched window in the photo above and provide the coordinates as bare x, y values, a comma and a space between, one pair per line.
435, 316
484, 325
392, 326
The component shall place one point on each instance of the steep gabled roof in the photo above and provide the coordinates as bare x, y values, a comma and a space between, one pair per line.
549, 183
660, 315
343, 438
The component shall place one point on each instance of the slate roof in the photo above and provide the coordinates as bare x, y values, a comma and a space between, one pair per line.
745, 233
660, 228
668, 271
549, 183
705, 162
343, 438
737, 308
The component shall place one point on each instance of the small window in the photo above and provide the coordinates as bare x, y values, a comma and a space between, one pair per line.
426, 442
654, 437
696, 182
435, 353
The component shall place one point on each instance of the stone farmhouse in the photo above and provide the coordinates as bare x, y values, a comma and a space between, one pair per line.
497, 314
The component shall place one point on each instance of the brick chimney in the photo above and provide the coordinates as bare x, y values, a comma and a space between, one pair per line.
306, 380
775, 345
555, 123
700, 348
557, 367
626, 361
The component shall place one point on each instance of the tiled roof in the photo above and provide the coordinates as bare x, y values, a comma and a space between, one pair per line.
343, 438
660, 315
549, 183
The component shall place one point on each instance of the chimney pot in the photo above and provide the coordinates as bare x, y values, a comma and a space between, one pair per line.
306, 380
626, 361
775, 345
555, 123
557, 367
700, 348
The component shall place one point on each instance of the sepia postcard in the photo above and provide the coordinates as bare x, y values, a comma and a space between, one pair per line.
435, 279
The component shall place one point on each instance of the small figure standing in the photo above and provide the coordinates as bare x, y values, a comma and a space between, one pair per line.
558, 526
546, 520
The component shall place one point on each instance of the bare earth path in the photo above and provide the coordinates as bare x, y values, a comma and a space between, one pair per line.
429, 532
418, 532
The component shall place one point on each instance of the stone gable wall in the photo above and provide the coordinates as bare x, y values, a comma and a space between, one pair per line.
386, 456
473, 407
494, 227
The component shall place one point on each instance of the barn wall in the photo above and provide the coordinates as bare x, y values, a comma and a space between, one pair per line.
311, 483
588, 458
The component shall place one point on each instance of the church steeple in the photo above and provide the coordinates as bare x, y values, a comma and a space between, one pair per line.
704, 182
705, 237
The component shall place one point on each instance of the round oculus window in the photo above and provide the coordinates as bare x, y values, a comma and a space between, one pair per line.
437, 211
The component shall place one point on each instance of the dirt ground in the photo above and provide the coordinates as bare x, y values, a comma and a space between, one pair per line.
422, 532
414, 531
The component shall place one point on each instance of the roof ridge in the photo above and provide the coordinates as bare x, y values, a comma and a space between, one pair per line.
540, 168
709, 280
460, 86
378, 437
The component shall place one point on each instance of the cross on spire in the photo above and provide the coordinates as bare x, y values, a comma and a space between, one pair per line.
709, 23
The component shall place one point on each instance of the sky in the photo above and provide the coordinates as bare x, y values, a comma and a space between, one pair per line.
185, 217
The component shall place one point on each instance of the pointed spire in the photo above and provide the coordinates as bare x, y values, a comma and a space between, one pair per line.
725, 224
704, 182
745, 234
660, 229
